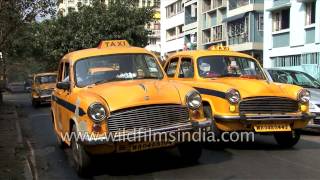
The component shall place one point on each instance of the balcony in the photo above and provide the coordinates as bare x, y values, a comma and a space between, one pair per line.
214, 34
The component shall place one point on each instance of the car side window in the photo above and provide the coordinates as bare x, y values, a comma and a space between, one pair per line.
60, 72
172, 67
66, 72
186, 68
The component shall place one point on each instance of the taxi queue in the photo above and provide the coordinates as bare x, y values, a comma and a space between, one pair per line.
116, 88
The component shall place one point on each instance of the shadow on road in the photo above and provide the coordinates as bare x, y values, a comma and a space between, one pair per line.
147, 162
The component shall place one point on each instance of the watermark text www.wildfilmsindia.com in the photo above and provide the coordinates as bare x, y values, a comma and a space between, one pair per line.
142, 135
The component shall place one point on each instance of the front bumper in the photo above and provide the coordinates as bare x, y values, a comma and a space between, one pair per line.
43, 99
271, 117
202, 124
315, 122
135, 136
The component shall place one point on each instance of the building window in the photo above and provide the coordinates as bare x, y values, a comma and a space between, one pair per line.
171, 34
233, 4
157, 3
310, 13
260, 22
239, 27
281, 20
174, 9
217, 33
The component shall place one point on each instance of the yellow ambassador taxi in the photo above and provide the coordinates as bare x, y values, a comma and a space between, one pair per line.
42, 87
237, 95
115, 94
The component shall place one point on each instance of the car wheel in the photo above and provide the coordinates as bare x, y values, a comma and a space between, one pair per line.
81, 159
208, 114
190, 152
35, 103
287, 139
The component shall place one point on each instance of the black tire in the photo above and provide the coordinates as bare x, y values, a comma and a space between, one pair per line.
35, 103
208, 114
190, 152
287, 139
81, 159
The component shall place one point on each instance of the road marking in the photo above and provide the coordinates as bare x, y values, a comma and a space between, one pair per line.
32, 161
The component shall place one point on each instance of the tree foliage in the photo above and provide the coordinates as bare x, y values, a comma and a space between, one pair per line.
14, 14
88, 26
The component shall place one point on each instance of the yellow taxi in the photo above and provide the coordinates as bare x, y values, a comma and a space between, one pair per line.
116, 98
237, 95
42, 88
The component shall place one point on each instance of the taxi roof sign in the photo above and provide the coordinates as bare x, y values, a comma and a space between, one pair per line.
113, 43
219, 48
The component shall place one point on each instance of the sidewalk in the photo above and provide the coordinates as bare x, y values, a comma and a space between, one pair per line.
12, 152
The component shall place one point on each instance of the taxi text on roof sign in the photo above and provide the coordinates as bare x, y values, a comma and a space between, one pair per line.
113, 43
219, 48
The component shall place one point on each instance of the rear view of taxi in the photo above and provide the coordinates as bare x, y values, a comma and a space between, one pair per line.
116, 94
238, 96
42, 88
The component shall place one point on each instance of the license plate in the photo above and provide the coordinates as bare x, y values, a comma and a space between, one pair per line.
149, 145
272, 127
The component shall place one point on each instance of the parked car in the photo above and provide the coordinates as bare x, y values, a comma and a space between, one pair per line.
121, 91
42, 88
237, 95
304, 80
16, 87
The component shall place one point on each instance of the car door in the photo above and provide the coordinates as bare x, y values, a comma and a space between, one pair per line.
171, 68
55, 101
63, 99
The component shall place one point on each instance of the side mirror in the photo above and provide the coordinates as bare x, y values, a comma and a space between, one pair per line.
63, 85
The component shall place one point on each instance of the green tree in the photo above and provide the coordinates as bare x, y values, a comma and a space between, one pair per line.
121, 19
14, 14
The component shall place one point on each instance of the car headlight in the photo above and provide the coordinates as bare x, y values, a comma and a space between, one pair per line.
193, 100
304, 96
233, 96
97, 112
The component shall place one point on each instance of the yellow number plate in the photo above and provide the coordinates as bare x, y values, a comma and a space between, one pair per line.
149, 145
271, 127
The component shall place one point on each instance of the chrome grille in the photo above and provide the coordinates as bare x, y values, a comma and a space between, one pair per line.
149, 117
268, 105
46, 92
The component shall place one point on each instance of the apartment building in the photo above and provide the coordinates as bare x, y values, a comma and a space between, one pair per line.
172, 22
235, 23
66, 6
245, 26
292, 35
212, 28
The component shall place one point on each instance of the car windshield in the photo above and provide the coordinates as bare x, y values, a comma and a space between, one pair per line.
294, 77
46, 79
227, 66
118, 67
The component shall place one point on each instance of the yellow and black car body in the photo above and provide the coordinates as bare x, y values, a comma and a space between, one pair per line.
43, 85
238, 96
115, 94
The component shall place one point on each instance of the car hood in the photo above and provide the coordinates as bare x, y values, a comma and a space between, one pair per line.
252, 87
125, 94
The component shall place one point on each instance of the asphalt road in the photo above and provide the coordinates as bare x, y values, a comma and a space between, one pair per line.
261, 159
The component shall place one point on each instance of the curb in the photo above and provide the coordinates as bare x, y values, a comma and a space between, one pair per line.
30, 172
